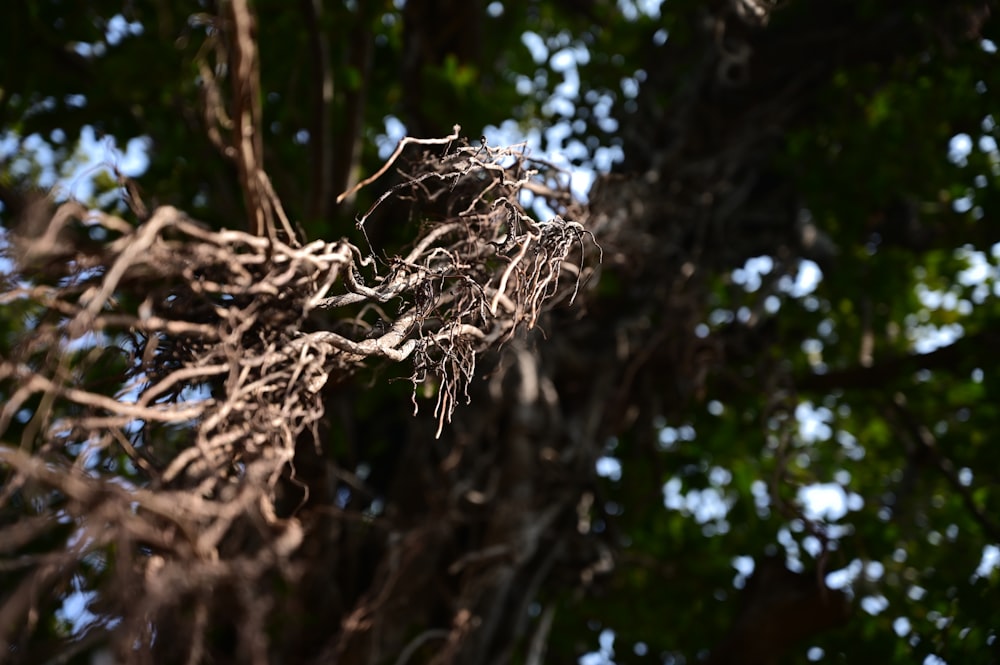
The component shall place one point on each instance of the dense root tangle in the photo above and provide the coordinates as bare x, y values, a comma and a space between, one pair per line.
172, 370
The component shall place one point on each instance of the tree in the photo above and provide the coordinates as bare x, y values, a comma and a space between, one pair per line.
627, 403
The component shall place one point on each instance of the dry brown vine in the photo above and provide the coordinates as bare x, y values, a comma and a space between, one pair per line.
195, 360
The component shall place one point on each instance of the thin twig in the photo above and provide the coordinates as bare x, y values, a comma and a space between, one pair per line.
395, 155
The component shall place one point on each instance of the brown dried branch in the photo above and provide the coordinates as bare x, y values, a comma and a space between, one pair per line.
233, 45
173, 370
246, 113
395, 155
